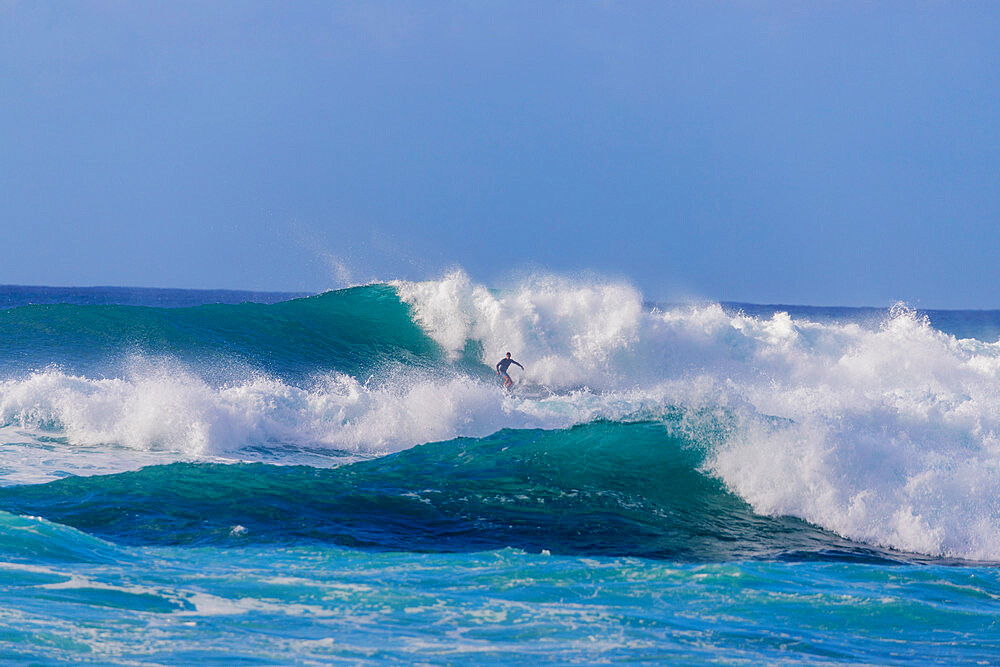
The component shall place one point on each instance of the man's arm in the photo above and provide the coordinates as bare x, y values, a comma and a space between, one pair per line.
518, 365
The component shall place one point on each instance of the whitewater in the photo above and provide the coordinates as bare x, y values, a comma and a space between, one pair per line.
344, 473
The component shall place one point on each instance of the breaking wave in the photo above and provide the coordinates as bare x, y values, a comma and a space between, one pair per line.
882, 430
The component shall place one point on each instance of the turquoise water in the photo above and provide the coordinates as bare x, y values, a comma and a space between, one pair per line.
94, 601
342, 478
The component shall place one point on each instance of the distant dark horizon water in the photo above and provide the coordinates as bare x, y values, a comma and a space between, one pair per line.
164, 297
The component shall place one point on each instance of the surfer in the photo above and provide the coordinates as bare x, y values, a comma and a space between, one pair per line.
502, 367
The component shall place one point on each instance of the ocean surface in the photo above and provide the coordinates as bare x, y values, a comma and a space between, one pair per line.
253, 478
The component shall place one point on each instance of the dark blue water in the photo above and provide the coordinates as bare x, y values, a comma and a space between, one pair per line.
25, 295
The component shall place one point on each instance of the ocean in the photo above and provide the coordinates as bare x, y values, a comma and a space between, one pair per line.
222, 477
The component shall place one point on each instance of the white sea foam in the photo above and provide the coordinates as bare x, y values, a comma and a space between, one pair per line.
161, 409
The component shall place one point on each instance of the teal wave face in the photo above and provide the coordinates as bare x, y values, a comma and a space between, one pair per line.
604, 488
30, 538
351, 331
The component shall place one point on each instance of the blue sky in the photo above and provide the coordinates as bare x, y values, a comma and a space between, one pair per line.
833, 153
